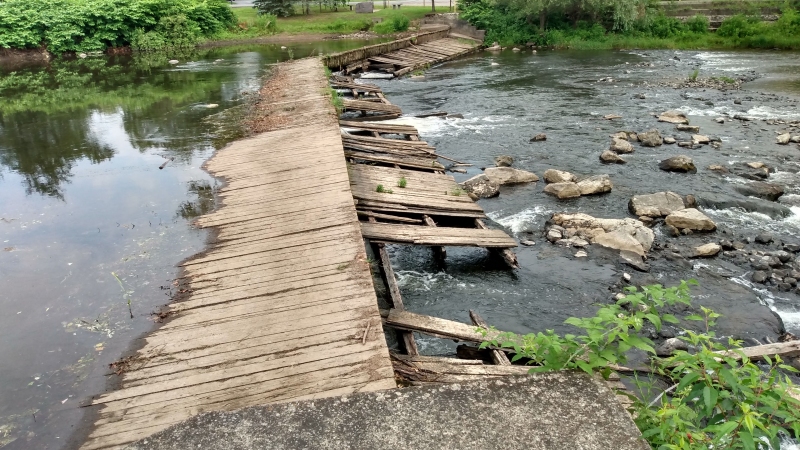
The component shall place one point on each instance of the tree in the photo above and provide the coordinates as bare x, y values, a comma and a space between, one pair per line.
280, 8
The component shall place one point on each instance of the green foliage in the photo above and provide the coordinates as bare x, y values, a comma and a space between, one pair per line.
718, 398
171, 32
91, 25
693, 75
697, 24
394, 23
383, 190
280, 8
337, 101
402, 182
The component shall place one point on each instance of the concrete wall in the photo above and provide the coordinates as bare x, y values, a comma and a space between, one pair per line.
457, 26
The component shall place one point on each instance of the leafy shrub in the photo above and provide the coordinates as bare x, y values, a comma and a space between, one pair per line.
394, 23
718, 397
698, 24
86, 25
739, 26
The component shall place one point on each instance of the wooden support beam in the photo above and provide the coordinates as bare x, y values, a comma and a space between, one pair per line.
508, 256
387, 216
498, 356
439, 252
434, 326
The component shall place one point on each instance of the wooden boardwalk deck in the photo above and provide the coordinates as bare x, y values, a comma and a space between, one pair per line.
282, 304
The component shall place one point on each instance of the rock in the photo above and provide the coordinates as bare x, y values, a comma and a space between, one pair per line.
670, 346
669, 140
680, 163
621, 146
581, 254
558, 176
365, 7
660, 204
612, 116
539, 138
759, 276
783, 256
592, 229
719, 120
508, 175
597, 184
673, 117
620, 135
689, 201
457, 170
767, 191
633, 260
527, 243
481, 186
553, 235
563, 190
784, 138
688, 128
795, 139
749, 204
790, 280
718, 168
639, 96
503, 161
793, 248
609, 157
686, 144
651, 138
173, 61
577, 241
690, 219
515, 49
700, 139
756, 165
764, 238
752, 171
454, 116
737, 102
707, 250
626, 276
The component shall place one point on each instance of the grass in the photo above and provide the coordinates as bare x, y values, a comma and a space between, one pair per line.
383, 190
325, 22
694, 74
402, 182
336, 99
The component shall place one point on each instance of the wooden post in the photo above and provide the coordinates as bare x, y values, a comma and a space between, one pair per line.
439, 252
508, 256
406, 338
498, 356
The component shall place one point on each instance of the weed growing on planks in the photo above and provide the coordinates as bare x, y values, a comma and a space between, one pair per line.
337, 101
401, 183
456, 191
342, 266
383, 190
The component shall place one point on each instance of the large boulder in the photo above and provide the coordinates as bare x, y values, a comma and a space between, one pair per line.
563, 190
757, 171
691, 219
659, 204
673, 117
503, 161
591, 228
651, 138
508, 175
597, 184
680, 163
621, 146
558, 176
481, 186
609, 157
767, 191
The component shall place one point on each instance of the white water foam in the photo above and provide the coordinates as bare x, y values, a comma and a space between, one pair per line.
521, 221
758, 221
756, 112
437, 126
791, 319
424, 281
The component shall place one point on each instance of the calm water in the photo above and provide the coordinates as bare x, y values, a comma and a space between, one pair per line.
91, 229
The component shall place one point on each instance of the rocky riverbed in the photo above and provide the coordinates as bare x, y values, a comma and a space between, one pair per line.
639, 168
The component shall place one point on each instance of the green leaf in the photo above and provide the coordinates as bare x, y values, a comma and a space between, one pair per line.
686, 380
694, 317
709, 398
747, 440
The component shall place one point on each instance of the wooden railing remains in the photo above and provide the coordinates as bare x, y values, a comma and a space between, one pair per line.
341, 60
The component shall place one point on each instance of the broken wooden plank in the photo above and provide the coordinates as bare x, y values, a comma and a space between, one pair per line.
376, 215
442, 236
435, 326
498, 356
508, 256
439, 252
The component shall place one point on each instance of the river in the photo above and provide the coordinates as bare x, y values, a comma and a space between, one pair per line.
92, 228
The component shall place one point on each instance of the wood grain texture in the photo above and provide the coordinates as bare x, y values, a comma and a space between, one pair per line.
282, 305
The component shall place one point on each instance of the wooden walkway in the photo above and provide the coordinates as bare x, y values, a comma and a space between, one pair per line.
282, 304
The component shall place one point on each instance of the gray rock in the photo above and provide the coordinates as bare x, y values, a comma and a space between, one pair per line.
767, 191
764, 238
690, 219
364, 7
621, 146
673, 117
609, 157
687, 128
622, 234
503, 161
597, 184
680, 163
634, 260
749, 204
719, 120
558, 176
699, 139
509, 175
539, 138
651, 138
670, 346
563, 190
659, 204
554, 235
527, 243
707, 250
481, 186
759, 276
669, 140
752, 171
784, 138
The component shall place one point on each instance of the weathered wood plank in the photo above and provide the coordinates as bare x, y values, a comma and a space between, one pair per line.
443, 236
436, 326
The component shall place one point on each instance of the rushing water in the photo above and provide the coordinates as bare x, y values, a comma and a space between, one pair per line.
91, 228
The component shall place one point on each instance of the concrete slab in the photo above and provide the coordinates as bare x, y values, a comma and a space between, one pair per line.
553, 411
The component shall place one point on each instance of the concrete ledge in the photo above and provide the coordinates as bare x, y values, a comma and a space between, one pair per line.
554, 411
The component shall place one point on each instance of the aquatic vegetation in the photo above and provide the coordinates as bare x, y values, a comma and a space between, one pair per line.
718, 397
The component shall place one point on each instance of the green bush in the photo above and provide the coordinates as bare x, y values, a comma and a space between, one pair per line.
280, 8
698, 24
86, 25
394, 23
739, 26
